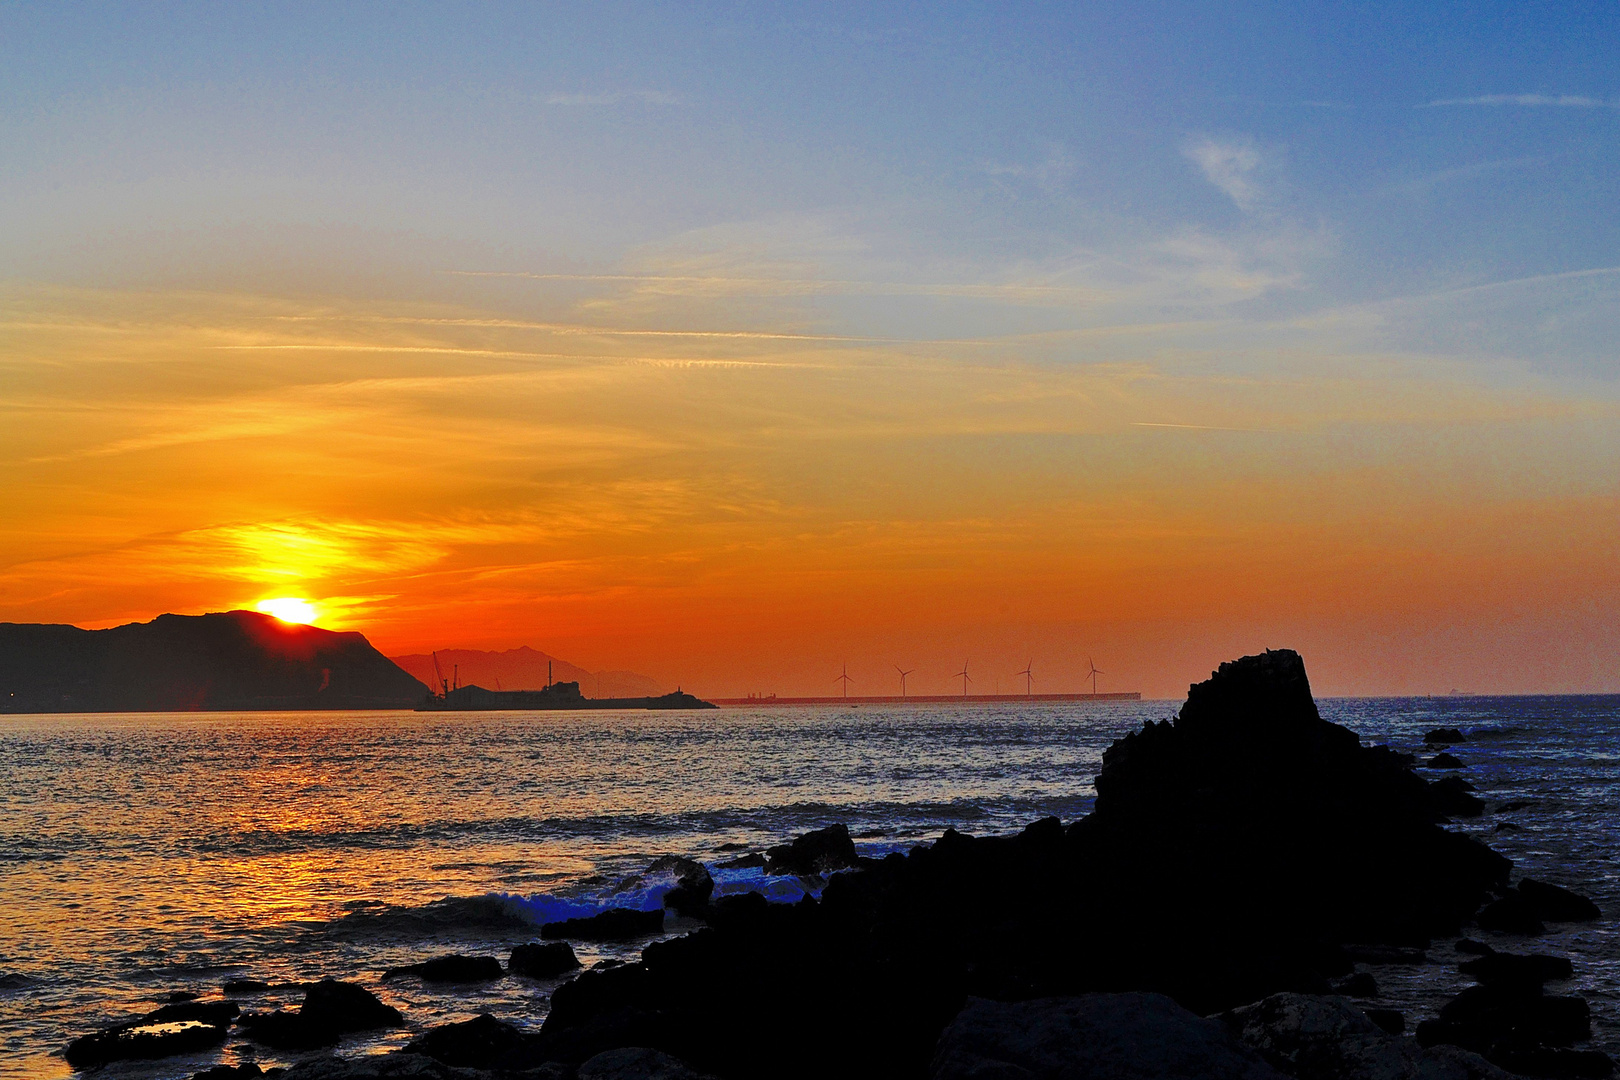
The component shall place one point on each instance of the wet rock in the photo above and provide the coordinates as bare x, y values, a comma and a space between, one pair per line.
1359, 985
1445, 736
693, 885
1096, 1036
245, 1071
614, 924
1550, 1061
178, 996
1511, 914
818, 852
1444, 761
745, 862
543, 961
1451, 797
244, 987
1328, 1038
1524, 971
397, 1067
180, 1028
330, 1010
637, 1063
1482, 1016
1557, 904
1391, 1020
1516, 804
451, 969
478, 1043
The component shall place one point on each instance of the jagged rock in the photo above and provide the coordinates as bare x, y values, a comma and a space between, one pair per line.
1548, 1061
1328, 1038
1451, 797
614, 924
1444, 761
179, 1028
478, 1043
818, 852
744, 862
1447, 736
330, 1010
1390, 1020
1095, 1036
1511, 914
637, 1063
1557, 904
546, 961
451, 969
693, 885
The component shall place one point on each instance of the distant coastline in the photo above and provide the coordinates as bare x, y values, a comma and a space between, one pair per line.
923, 699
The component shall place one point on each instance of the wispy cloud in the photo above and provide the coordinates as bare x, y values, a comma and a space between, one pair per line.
1230, 166
1565, 101
615, 97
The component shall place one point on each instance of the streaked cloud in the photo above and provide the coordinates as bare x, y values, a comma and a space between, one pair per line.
1563, 101
1228, 164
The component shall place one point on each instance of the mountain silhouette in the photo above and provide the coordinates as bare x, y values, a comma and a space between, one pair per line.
525, 669
223, 660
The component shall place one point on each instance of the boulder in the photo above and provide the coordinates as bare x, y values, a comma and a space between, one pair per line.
1482, 1016
179, 1028
400, 1066
543, 961
818, 852
1451, 797
451, 969
330, 1010
1511, 914
245, 1071
1551, 1061
694, 885
637, 1063
614, 924
1328, 1038
1444, 736
1095, 1036
478, 1043
1526, 971
1557, 904
1444, 761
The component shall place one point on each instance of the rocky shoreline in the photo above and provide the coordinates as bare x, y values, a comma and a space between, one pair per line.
1214, 916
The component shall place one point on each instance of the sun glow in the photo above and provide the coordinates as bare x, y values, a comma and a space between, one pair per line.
289, 609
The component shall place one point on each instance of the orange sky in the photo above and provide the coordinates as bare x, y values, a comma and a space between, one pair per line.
707, 479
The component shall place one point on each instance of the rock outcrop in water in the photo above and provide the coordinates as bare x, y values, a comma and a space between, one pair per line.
225, 660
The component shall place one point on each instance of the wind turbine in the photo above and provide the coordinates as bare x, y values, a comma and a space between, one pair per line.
964, 676
844, 678
1029, 679
1092, 674
903, 675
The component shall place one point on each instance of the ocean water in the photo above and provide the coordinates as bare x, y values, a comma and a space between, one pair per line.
147, 854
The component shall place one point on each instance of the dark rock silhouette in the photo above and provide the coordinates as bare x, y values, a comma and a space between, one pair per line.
245, 986
1516, 970
1446, 736
330, 1010
637, 1063
226, 660
179, 1028
1444, 761
1327, 1038
1234, 852
1511, 913
543, 961
476, 1044
1557, 904
1097, 1036
818, 852
451, 969
614, 924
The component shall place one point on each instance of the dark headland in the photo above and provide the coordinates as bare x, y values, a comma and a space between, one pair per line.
224, 660
1205, 921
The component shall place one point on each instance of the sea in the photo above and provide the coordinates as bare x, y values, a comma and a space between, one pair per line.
154, 854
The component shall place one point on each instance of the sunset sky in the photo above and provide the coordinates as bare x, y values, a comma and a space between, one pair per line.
734, 343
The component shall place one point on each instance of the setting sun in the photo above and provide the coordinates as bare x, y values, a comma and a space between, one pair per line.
289, 609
